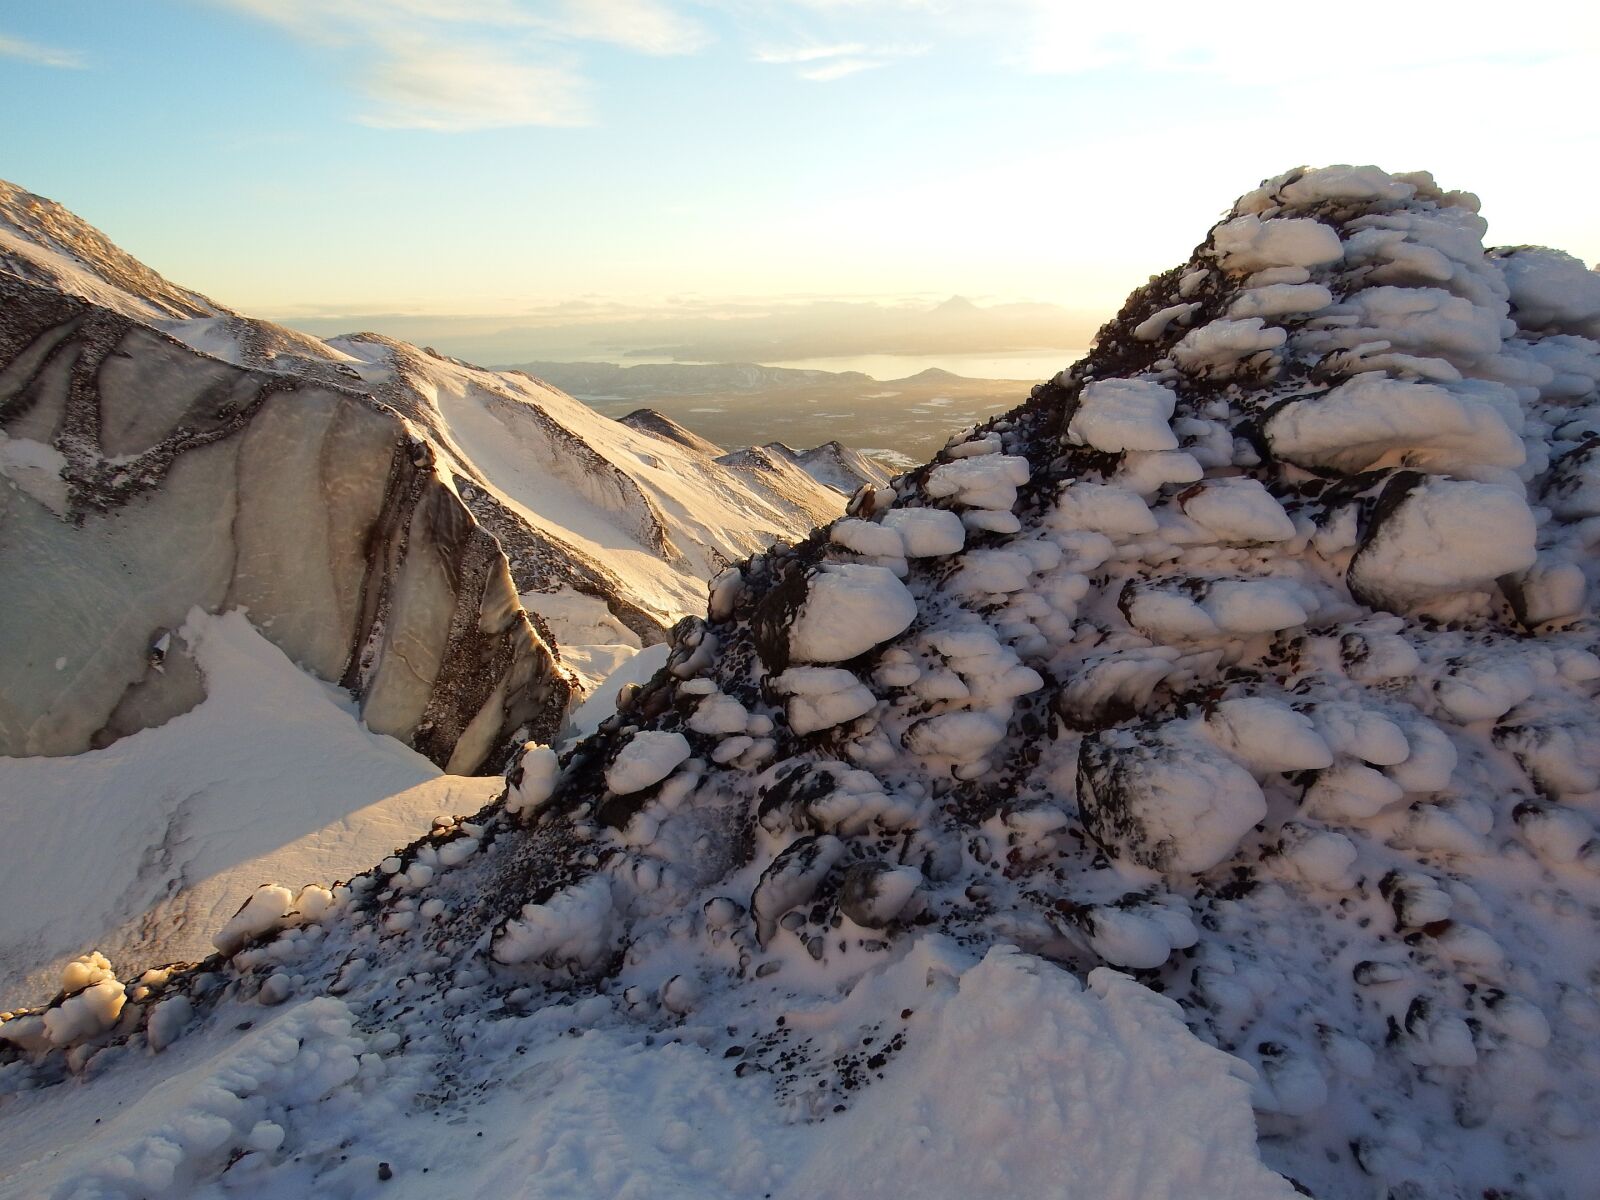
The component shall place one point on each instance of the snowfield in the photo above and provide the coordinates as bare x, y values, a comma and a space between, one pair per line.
144, 849
1205, 803
1069, 1090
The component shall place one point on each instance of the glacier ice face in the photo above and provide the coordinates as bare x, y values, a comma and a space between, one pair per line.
189, 481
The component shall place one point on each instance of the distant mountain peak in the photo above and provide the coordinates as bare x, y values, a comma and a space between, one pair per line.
930, 374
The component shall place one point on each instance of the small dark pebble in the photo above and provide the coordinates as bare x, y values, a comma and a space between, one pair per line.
385, 1172
733, 1052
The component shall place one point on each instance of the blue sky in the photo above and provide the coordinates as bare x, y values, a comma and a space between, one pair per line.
496, 156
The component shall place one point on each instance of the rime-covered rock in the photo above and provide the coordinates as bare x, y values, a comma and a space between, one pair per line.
1234, 658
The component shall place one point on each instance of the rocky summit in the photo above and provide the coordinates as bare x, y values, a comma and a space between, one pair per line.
1211, 733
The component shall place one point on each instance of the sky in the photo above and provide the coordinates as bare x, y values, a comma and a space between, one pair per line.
307, 158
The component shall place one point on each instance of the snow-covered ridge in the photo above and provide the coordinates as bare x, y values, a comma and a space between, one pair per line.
834, 464
1253, 658
44, 242
600, 534
581, 503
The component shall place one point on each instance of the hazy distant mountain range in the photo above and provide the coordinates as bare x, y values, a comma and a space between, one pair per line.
898, 421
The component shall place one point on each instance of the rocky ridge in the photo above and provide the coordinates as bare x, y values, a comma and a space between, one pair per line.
1253, 657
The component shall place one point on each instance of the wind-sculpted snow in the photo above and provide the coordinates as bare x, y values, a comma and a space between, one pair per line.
147, 479
1254, 657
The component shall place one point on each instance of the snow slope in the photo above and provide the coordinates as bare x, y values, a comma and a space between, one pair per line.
1081, 1092
45, 243
1246, 673
271, 776
338, 493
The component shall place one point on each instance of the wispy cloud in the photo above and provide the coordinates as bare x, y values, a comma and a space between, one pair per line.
1057, 37
806, 54
418, 84
646, 26
1181, 36
823, 63
454, 65
38, 55
839, 68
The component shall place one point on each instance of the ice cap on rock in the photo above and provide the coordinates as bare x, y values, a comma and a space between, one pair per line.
1247, 244
848, 609
646, 759
1124, 414
1432, 537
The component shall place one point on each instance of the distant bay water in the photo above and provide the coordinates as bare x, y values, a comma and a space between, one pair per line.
1032, 367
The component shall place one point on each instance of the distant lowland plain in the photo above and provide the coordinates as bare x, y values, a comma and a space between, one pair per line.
892, 380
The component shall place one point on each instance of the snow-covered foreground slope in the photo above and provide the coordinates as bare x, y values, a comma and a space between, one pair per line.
1252, 662
144, 849
1004, 1077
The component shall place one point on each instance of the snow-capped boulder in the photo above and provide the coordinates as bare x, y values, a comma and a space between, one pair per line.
1124, 414
1236, 510
989, 482
848, 609
1551, 290
1247, 244
1435, 537
645, 760
926, 532
1373, 421
1165, 802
